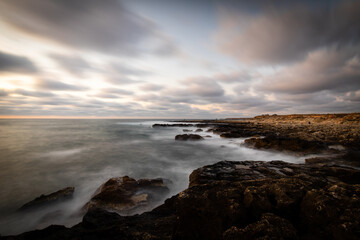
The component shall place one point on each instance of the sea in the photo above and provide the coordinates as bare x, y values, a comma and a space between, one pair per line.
41, 156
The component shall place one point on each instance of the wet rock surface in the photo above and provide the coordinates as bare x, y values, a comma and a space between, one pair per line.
238, 200
125, 195
186, 137
45, 200
286, 144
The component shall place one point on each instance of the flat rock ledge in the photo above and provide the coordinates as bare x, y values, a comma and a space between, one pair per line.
238, 200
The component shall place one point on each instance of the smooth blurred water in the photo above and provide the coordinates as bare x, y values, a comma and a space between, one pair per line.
42, 156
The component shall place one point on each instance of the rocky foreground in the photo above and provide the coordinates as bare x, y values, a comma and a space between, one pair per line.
238, 200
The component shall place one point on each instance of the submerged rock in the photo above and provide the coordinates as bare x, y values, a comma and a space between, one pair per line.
126, 195
239, 200
185, 137
45, 200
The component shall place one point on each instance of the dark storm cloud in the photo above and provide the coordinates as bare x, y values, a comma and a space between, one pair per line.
73, 64
53, 85
14, 63
287, 34
105, 26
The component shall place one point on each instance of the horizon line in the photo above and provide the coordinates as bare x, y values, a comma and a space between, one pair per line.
87, 117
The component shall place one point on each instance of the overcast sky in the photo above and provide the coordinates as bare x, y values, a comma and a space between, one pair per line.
178, 59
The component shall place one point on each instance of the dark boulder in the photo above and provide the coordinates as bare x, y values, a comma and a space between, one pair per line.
126, 195
199, 130
45, 200
191, 137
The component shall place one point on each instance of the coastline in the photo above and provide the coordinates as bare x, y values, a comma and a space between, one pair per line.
221, 190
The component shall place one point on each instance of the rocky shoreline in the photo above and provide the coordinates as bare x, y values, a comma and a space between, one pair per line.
241, 200
335, 136
238, 200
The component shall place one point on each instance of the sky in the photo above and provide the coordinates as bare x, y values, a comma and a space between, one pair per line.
178, 59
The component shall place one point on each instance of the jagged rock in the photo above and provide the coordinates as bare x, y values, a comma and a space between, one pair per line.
239, 200
185, 137
286, 144
44, 200
126, 195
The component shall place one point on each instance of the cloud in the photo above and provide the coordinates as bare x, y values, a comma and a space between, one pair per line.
353, 96
73, 64
149, 87
27, 93
287, 34
335, 70
17, 64
103, 26
118, 73
125, 70
203, 87
52, 85
235, 77
113, 93
3, 93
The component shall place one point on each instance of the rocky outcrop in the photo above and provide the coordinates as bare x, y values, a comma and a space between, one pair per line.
125, 195
239, 200
186, 137
173, 125
286, 144
331, 129
45, 200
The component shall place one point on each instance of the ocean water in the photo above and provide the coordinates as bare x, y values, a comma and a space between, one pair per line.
42, 156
